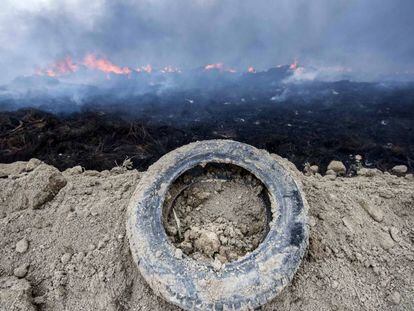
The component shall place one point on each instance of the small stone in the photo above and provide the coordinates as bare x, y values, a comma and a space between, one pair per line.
312, 221
358, 157
383, 193
21, 271
171, 230
48, 181
409, 177
74, 170
216, 264
32, 164
22, 246
396, 298
330, 172
310, 169
399, 170
375, 212
91, 247
178, 253
65, 258
231, 256
394, 232
314, 169
331, 177
368, 172
208, 243
335, 284
386, 242
338, 167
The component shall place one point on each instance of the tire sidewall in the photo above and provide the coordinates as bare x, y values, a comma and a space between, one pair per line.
246, 283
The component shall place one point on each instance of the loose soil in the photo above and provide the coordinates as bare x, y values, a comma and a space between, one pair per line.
218, 212
63, 245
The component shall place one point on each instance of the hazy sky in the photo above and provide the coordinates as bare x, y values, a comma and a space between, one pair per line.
375, 36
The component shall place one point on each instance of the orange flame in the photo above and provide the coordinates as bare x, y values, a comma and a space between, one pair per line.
170, 69
66, 66
50, 73
251, 70
294, 65
147, 68
60, 67
90, 61
218, 66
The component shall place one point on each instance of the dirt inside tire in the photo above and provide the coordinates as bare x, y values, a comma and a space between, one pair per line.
216, 213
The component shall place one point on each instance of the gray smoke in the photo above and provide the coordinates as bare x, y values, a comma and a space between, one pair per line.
368, 36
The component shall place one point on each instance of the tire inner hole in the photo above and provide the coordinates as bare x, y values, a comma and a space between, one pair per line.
216, 213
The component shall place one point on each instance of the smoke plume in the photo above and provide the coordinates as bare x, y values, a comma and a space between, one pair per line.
367, 36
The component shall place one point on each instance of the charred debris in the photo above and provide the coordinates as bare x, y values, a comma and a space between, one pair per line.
311, 122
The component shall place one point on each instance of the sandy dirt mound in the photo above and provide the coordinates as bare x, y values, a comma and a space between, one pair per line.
63, 245
217, 214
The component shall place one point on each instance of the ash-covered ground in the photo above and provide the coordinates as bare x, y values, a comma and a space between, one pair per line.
311, 122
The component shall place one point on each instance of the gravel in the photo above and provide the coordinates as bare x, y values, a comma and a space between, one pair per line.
338, 167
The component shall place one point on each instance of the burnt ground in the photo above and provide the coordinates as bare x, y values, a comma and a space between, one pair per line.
315, 124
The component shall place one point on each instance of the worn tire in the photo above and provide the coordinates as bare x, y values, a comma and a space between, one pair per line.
244, 284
